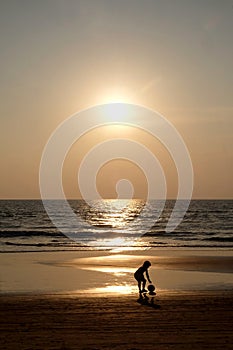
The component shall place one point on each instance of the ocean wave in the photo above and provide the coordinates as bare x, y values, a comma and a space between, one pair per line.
219, 239
25, 234
49, 244
25, 226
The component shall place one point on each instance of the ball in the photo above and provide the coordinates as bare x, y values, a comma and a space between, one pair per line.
151, 288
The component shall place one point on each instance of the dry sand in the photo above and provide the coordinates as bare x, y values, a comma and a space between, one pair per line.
180, 321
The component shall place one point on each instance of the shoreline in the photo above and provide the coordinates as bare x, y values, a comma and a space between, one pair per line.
126, 249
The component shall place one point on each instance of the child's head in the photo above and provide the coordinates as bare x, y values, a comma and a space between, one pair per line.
147, 264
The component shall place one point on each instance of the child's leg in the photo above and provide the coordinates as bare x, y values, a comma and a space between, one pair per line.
139, 280
143, 283
139, 286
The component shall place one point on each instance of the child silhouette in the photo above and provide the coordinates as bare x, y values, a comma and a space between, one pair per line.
139, 276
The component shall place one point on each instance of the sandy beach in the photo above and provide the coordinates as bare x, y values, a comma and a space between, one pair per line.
200, 321
83, 300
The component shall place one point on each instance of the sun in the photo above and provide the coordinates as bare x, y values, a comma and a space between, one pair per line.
117, 95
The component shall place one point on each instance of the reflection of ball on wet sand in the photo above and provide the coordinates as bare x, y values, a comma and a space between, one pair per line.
151, 289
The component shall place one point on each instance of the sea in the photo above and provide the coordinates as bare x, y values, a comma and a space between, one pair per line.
26, 227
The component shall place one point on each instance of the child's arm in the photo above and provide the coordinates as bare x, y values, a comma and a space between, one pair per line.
148, 277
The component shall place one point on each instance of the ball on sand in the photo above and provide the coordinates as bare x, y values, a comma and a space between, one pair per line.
151, 289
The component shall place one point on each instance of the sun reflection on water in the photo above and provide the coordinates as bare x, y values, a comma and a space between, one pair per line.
118, 274
113, 289
122, 244
116, 271
115, 213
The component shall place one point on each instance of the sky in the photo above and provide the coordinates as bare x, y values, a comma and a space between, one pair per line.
172, 56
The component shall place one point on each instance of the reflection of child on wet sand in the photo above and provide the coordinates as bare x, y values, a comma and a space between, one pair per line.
139, 276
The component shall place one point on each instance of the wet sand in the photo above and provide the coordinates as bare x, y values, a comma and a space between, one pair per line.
103, 272
89, 301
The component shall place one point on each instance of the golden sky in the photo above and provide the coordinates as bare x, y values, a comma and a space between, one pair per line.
59, 57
